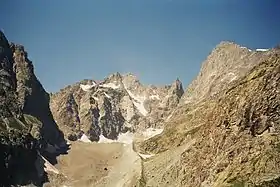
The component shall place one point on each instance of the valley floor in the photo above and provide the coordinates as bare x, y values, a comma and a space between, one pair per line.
99, 165
110, 164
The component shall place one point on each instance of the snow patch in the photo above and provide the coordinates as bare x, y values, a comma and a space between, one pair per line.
108, 96
262, 50
138, 101
169, 117
103, 139
125, 138
48, 166
144, 156
233, 78
95, 98
245, 48
85, 139
110, 85
140, 107
155, 97
87, 87
151, 132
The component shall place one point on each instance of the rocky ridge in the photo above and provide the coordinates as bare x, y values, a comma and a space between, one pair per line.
24, 133
227, 135
227, 62
223, 131
118, 104
32, 97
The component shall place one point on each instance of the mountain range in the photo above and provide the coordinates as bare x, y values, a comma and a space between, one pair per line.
222, 130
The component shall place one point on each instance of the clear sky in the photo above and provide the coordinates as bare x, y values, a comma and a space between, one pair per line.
157, 40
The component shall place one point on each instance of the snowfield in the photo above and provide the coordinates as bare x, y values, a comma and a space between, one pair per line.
262, 50
110, 85
155, 97
107, 95
87, 87
145, 156
138, 102
125, 138
85, 139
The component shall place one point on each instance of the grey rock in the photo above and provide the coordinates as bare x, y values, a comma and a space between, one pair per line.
115, 105
227, 63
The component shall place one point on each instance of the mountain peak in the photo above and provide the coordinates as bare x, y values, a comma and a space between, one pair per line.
228, 46
227, 62
177, 87
6, 63
226, 43
115, 77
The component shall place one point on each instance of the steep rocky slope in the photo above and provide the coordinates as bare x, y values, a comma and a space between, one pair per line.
228, 139
33, 99
24, 132
19, 132
115, 105
223, 131
226, 63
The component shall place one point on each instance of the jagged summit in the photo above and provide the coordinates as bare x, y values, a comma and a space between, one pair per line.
226, 63
224, 132
23, 133
227, 45
226, 140
119, 102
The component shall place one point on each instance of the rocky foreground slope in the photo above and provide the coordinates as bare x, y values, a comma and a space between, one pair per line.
32, 97
26, 125
228, 135
222, 131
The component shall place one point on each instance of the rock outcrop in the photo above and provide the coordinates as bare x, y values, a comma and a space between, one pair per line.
32, 97
26, 124
230, 138
118, 104
20, 133
226, 63
222, 131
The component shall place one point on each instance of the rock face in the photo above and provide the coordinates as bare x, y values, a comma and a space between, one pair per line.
26, 123
33, 99
223, 131
226, 63
115, 105
20, 133
229, 139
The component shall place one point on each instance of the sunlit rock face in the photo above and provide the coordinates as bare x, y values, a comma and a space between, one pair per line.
118, 104
227, 133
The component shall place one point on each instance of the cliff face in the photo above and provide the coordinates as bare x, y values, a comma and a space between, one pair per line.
230, 139
227, 62
32, 97
118, 104
223, 131
26, 124
20, 134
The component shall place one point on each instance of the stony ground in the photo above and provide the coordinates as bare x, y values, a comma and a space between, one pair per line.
99, 165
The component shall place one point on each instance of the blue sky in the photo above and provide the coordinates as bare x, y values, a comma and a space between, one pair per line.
157, 40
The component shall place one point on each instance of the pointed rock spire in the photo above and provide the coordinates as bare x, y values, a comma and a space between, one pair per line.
177, 88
